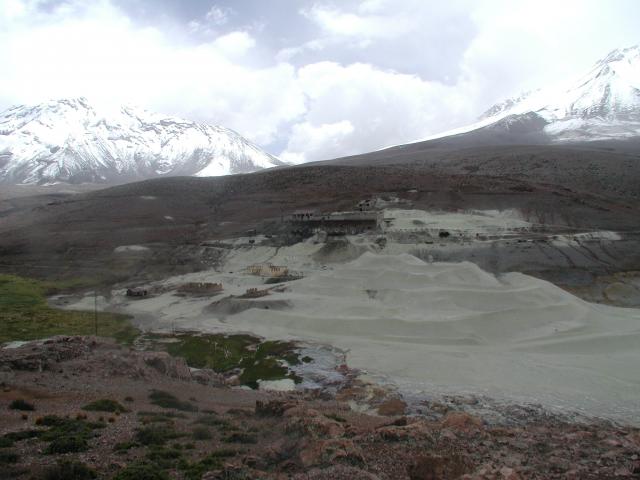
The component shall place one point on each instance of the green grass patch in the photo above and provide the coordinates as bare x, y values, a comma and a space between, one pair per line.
105, 405
258, 359
25, 315
21, 404
167, 400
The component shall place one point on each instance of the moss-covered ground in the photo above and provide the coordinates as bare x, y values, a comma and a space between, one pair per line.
256, 358
25, 315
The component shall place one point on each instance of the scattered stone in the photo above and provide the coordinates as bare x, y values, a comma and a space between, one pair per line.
335, 472
436, 467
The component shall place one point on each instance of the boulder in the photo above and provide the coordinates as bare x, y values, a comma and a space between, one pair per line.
461, 421
325, 452
208, 377
392, 408
272, 408
312, 423
167, 365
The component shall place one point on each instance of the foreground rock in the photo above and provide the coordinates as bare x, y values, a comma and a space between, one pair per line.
182, 424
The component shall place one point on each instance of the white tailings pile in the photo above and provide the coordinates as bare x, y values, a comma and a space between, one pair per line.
451, 327
432, 327
482, 222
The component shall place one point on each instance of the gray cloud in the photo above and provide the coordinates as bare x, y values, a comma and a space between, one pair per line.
307, 79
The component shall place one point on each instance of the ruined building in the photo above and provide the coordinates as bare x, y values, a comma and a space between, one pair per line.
336, 223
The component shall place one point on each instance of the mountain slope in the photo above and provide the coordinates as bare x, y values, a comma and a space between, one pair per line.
71, 141
602, 104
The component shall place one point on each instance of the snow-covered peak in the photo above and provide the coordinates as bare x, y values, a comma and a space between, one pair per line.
71, 140
603, 103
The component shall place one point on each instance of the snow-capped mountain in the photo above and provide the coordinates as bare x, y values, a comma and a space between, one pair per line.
602, 104
70, 140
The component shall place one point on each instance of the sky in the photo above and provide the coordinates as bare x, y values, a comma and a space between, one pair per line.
305, 79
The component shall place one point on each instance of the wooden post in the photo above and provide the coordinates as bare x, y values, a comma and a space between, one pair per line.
95, 310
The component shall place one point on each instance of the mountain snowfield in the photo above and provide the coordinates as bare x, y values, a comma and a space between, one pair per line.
602, 104
70, 140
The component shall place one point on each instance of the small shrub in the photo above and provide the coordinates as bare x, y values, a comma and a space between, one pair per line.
128, 399
155, 417
6, 442
165, 458
105, 405
167, 400
201, 433
213, 461
69, 470
240, 412
156, 435
141, 471
21, 404
24, 416
124, 446
336, 417
68, 444
9, 438
8, 457
212, 422
67, 435
111, 420
239, 437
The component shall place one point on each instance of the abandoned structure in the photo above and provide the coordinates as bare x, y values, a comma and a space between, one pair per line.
255, 293
136, 292
200, 288
366, 205
268, 270
336, 223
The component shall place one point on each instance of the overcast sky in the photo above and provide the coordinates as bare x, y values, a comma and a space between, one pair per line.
305, 79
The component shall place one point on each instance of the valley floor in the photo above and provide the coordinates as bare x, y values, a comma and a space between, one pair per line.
429, 328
